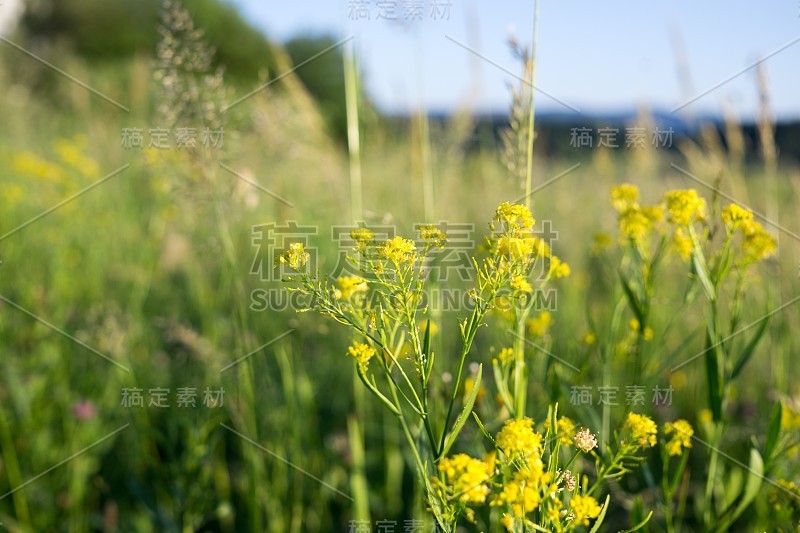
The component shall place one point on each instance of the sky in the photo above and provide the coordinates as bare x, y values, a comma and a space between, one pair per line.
593, 57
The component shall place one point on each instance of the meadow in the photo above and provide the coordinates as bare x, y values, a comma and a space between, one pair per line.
158, 375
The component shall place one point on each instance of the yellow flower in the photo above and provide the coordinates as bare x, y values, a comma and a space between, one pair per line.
682, 244
558, 269
589, 338
398, 250
564, 429
624, 196
513, 248
350, 285
584, 508
642, 429
634, 224
362, 236
685, 207
516, 216
517, 437
735, 216
539, 326
506, 355
681, 436
757, 245
362, 353
296, 256
432, 235
467, 478
520, 284
523, 492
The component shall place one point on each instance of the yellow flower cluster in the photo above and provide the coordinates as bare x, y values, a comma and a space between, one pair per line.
642, 429
540, 325
635, 221
565, 428
362, 354
350, 285
296, 256
506, 355
524, 491
584, 508
624, 196
684, 207
735, 216
517, 437
680, 436
514, 248
467, 477
516, 216
432, 235
362, 236
520, 284
398, 250
682, 244
558, 268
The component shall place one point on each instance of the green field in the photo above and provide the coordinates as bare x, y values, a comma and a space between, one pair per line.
156, 374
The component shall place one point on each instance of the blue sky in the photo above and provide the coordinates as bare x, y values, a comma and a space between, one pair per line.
593, 56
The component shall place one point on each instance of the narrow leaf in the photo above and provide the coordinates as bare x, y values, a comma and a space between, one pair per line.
462, 418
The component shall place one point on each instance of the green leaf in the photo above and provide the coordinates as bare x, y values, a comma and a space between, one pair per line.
601, 516
701, 271
482, 428
426, 340
774, 431
633, 300
462, 418
751, 487
640, 525
748, 351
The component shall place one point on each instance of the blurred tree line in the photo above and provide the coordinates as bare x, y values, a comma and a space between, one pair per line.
103, 31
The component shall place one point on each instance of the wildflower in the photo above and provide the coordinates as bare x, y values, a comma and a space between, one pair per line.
642, 428
564, 427
685, 207
506, 355
757, 245
585, 441
682, 244
362, 236
84, 410
569, 480
517, 437
539, 326
432, 235
523, 492
516, 216
350, 285
398, 250
681, 436
558, 269
362, 353
735, 216
589, 338
296, 256
584, 508
624, 196
513, 248
634, 224
520, 284
466, 476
